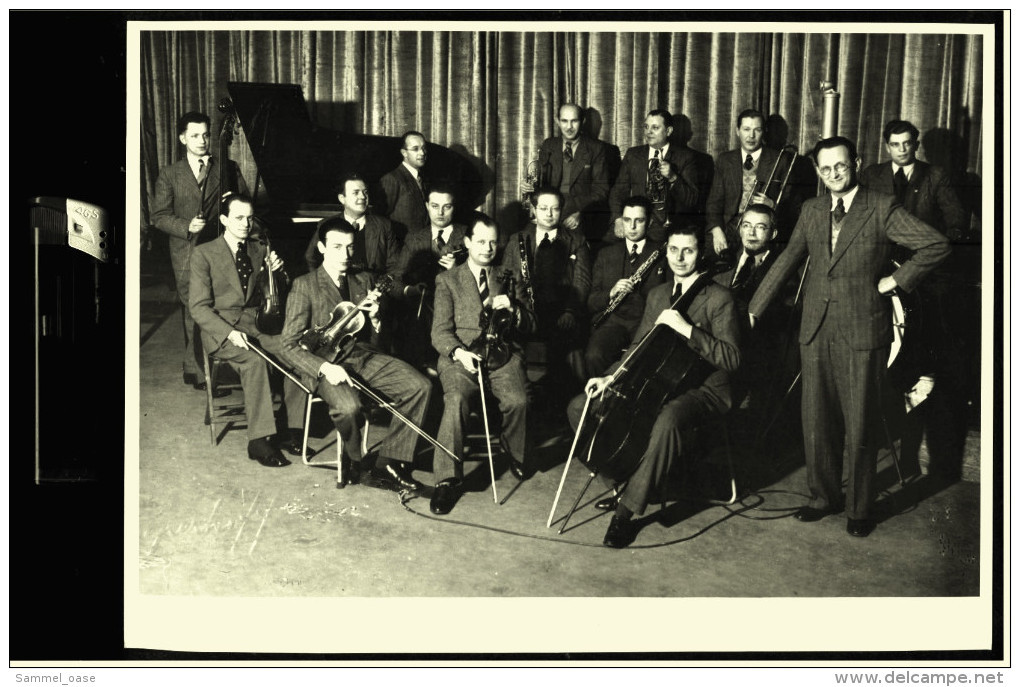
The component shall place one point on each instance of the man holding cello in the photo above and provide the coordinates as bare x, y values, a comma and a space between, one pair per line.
311, 303
705, 330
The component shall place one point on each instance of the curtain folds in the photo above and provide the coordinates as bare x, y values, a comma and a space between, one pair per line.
493, 96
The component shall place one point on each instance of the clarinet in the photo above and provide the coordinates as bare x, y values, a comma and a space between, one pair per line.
635, 279
525, 270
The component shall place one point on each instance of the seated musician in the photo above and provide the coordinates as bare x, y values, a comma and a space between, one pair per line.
427, 252
375, 245
310, 304
224, 301
611, 280
461, 294
559, 265
711, 330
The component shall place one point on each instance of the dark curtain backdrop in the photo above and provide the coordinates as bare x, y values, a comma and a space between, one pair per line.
492, 96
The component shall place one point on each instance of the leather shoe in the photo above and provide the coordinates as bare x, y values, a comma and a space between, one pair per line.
293, 442
517, 469
809, 514
200, 385
859, 528
266, 454
608, 503
399, 474
444, 498
621, 533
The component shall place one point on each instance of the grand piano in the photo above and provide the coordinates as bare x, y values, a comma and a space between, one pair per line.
301, 163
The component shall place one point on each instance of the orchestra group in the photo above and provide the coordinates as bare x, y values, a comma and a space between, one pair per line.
402, 300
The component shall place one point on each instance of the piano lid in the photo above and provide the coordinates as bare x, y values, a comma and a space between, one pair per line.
301, 163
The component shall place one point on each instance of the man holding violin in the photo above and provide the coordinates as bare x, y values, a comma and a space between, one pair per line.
311, 303
224, 301
709, 327
468, 296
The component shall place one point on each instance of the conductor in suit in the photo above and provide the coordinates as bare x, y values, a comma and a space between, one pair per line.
846, 327
186, 199
664, 173
462, 293
710, 328
310, 304
403, 189
225, 299
576, 165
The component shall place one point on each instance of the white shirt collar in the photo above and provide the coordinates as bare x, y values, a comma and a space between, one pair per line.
664, 149
231, 243
476, 270
640, 245
757, 259
351, 220
756, 155
414, 172
540, 234
907, 169
333, 276
687, 282
447, 231
848, 199
193, 162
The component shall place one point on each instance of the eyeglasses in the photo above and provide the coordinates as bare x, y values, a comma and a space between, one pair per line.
744, 226
839, 168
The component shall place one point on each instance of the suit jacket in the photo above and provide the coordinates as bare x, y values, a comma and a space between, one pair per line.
575, 281
458, 309
179, 199
216, 300
715, 337
844, 284
382, 252
589, 173
419, 261
310, 304
613, 264
728, 186
929, 196
402, 200
683, 194
742, 294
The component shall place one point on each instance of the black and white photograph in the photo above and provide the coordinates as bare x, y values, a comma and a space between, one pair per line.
600, 337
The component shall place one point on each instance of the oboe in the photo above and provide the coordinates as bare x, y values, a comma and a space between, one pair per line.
635, 279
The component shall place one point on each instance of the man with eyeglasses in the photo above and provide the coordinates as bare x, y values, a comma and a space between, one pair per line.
849, 236
403, 190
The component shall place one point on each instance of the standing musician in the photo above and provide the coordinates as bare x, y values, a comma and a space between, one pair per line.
311, 302
224, 300
711, 329
612, 283
846, 326
462, 293
427, 252
575, 164
559, 266
187, 195
664, 173
736, 172
375, 246
403, 190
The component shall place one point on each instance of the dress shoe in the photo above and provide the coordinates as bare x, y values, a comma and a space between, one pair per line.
445, 496
809, 514
293, 441
621, 533
517, 469
399, 474
608, 503
859, 528
200, 385
266, 454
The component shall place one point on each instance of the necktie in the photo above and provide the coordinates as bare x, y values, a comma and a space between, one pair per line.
654, 162
483, 288
743, 274
545, 242
341, 285
633, 254
568, 153
357, 225
440, 243
203, 170
243, 264
900, 184
838, 213
678, 289
748, 162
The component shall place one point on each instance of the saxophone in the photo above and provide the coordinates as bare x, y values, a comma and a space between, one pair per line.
635, 279
525, 269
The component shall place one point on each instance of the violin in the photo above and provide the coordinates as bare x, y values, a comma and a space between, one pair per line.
270, 317
493, 345
333, 340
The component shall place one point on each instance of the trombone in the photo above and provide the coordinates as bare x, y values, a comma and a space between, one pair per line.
773, 187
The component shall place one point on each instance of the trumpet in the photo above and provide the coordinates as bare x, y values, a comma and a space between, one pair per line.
635, 279
773, 187
530, 177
